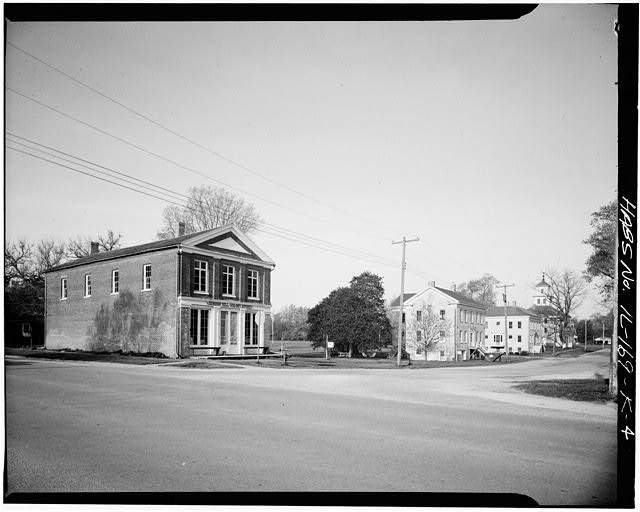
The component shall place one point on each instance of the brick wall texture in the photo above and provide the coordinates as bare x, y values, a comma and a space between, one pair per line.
131, 320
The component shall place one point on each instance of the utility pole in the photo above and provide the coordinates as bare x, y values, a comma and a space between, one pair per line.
585, 334
506, 325
404, 245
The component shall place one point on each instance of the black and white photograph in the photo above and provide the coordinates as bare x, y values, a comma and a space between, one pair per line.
288, 254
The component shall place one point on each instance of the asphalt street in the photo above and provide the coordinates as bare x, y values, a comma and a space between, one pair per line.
110, 427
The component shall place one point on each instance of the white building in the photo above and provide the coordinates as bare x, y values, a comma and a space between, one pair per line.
525, 330
550, 316
462, 323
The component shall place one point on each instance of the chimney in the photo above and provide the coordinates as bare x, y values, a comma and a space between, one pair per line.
431, 283
180, 228
453, 287
94, 248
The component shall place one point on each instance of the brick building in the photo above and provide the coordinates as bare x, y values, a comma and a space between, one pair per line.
199, 294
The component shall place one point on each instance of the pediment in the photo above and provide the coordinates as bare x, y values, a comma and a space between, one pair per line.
227, 240
228, 244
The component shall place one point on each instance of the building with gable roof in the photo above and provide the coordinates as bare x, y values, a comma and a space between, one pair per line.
204, 293
524, 330
463, 317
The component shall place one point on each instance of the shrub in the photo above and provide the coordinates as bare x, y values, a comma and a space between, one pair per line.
393, 354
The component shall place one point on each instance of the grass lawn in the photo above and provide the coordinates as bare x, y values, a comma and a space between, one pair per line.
79, 355
585, 390
318, 361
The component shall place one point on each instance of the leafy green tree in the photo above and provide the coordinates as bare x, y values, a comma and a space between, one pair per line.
291, 323
601, 261
368, 287
352, 317
481, 290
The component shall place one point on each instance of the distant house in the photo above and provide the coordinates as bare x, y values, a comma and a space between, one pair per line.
524, 330
462, 316
199, 294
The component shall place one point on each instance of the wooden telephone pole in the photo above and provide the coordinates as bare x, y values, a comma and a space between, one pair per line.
506, 325
400, 326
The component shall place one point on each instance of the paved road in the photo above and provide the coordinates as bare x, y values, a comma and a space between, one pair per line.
109, 427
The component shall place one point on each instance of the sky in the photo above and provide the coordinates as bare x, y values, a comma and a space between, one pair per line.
491, 141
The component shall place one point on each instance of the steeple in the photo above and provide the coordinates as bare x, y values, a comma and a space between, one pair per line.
542, 290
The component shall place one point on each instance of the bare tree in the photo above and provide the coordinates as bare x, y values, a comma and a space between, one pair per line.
18, 263
208, 208
48, 254
565, 293
430, 329
80, 246
24, 266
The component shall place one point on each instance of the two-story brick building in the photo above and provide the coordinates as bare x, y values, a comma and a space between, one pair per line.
462, 323
199, 294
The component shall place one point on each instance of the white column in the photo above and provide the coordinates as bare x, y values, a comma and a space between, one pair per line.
260, 327
214, 328
241, 313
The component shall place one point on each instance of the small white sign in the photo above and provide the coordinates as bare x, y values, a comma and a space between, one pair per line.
330, 344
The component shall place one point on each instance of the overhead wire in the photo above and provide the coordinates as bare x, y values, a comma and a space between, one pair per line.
146, 184
193, 142
274, 230
175, 163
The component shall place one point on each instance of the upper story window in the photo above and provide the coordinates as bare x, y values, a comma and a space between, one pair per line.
418, 336
252, 284
87, 285
537, 301
201, 277
519, 325
498, 323
510, 325
115, 281
63, 288
146, 276
419, 315
403, 316
228, 280
442, 311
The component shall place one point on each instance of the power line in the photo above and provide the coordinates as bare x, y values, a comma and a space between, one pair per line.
128, 179
189, 140
177, 164
273, 233
89, 174
163, 190
169, 160
152, 153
